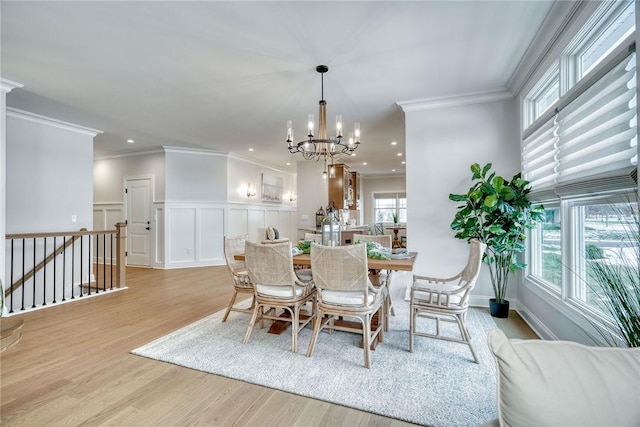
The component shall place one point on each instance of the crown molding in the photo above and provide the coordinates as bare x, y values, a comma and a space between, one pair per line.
240, 158
143, 152
7, 86
199, 151
47, 121
454, 101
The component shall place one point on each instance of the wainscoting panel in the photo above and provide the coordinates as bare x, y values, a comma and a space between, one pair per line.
181, 236
210, 235
192, 234
158, 236
237, 221
256, 225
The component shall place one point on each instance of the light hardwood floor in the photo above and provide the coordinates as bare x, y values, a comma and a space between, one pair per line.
72, 366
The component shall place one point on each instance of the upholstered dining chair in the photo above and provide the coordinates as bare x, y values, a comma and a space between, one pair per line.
276, 286
238, 270
384, 277
446, 299
343, 288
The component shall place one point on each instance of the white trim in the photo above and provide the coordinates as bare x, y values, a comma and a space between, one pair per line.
129, 154
7, 86
253, 162
108, 203
201, 151
454, 101
47, 121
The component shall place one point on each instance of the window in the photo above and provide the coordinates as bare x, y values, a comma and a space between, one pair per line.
603, 233
389, 204
579, 152
545, 243
613, 23
543, 95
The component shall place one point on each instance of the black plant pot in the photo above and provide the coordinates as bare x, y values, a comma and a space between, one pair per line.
499, 309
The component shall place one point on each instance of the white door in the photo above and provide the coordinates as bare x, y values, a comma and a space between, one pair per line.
138, 192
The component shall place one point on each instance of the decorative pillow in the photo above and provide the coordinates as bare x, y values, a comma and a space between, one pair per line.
561, 383
271, 235
276, 233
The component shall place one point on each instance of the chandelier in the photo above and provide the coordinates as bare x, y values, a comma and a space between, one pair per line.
319, 146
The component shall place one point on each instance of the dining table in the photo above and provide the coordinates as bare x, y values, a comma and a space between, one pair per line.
397, 262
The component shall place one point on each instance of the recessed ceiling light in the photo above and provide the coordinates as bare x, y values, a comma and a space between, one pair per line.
130, 141
364, 163
393, 170
403, 162
353, 154
394, 143
399, 154
288, 163
250, 149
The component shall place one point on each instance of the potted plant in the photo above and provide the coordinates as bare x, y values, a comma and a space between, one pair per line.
395, 219
496, 212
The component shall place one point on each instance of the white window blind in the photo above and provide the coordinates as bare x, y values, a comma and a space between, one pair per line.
590, 146
598, 135
539, 160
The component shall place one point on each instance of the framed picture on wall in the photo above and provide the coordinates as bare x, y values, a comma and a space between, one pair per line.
272, 188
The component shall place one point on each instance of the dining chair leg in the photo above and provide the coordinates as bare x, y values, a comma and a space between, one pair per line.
412, 327
464, 331
366, 340
316, 331
254, 316
295, 325
230, 306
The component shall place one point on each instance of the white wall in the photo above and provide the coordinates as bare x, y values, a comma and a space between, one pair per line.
49, 181
109, 174
441, 144
202, 204
49, 171
313, 193
6, 86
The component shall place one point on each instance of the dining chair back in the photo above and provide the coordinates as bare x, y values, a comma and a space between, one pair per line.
380, 277
341, 277
276, 287
241, 284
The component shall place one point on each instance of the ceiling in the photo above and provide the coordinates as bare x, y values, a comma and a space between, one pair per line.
228, 75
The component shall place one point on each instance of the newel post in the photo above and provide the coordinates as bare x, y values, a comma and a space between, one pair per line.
121, 245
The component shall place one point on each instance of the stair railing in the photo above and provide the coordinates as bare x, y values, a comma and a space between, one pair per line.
63, 266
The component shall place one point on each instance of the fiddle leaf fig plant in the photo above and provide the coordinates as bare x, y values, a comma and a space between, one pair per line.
496, 212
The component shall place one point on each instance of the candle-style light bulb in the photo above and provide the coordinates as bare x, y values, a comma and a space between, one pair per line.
356, 133
338, 126
351, 141
310, 125
289, 132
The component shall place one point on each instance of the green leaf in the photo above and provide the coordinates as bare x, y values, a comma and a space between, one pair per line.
485, 169
491, 201
458, 197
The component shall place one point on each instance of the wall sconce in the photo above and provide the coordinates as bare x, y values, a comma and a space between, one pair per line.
251, 191
292, 197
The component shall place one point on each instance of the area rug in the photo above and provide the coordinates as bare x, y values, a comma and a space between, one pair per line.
436, 385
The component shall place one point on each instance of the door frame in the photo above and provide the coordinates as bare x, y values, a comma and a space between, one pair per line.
152, 236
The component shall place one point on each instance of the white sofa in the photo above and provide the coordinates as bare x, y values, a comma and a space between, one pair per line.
561, 383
